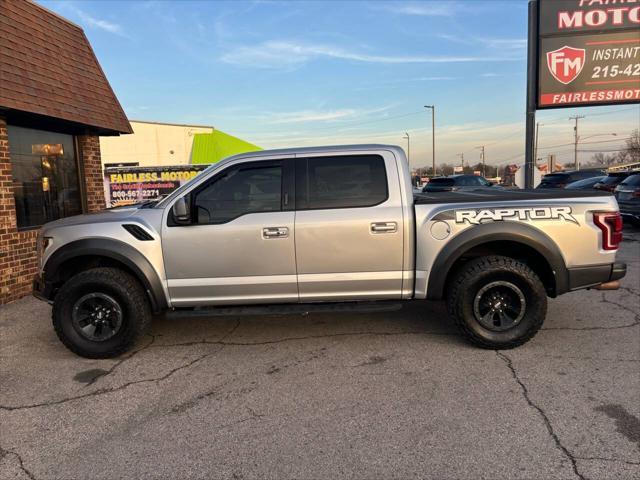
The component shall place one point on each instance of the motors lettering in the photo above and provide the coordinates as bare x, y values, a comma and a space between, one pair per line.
601, 13
476, 217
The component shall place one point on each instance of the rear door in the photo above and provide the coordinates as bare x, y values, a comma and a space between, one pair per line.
348, 227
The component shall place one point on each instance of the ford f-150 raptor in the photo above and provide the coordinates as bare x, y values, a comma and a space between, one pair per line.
328, 224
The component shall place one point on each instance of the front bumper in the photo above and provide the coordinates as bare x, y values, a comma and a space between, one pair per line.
42, 289
594, 275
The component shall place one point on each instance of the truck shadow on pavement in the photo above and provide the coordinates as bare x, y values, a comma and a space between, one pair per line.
418, 318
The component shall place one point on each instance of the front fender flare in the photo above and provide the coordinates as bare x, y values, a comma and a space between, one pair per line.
115, 250
492, 232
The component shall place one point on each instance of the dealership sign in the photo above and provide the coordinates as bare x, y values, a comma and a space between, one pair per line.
588, 52
129, 185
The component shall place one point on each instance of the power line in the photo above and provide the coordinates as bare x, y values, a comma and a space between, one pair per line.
584, 143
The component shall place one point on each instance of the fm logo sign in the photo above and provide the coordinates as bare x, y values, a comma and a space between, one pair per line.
566, 63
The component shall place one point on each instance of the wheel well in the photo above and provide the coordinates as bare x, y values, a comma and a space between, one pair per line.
519, 251
78, 264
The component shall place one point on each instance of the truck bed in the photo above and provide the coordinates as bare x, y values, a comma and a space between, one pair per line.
506, 195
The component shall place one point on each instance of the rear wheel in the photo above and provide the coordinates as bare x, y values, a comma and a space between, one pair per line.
101, 312
497, 302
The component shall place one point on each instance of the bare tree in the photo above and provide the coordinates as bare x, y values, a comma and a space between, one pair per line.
601, 159
633, 146
445, 169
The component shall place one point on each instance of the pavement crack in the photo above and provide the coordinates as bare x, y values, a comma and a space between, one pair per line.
617, 327
603, 459
103, 391
541, 412
291, 339
5, 452
635, 322
121, 361
630, 291
623, 307
597, 359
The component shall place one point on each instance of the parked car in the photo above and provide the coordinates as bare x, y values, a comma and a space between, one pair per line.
628, 196
611, 181
562, 179
454, 183
586, 184
296, 228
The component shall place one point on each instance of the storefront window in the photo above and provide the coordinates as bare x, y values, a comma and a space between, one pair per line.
45, 176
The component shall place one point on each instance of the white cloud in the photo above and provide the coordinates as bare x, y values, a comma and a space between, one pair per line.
304, 116
425, 9
490, 42
285, 54
308, 116
510, 43
98, 23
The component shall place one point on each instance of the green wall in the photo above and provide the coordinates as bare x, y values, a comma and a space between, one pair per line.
213, 147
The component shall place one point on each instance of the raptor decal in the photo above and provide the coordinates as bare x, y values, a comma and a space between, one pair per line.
476, 217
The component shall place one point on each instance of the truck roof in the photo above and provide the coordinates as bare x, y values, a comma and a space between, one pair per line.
322, 149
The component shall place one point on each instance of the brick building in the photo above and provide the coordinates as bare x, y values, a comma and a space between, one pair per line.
55, 102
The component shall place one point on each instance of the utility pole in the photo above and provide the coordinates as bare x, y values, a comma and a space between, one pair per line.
433, 135
408, 139
484, 167
461, 155
576, 138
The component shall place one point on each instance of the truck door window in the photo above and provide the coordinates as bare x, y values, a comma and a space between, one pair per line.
238, 192
340, 182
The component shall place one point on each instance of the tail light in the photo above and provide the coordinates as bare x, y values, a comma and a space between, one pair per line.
611, 225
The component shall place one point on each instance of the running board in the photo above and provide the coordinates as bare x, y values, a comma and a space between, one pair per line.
288, 309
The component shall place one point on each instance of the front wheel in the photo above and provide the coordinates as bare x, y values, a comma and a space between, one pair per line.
101, 312
497, 302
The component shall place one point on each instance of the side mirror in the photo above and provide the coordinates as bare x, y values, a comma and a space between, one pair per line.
180, 211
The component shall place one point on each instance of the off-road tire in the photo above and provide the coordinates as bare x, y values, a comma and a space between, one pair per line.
117, 284
468, 281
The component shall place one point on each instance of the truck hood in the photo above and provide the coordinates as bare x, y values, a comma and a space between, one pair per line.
112, 215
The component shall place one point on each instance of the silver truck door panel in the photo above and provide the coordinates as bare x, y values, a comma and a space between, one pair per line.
231, 255
348, 253
233, 262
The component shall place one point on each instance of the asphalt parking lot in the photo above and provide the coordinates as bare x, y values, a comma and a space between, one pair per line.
380, 395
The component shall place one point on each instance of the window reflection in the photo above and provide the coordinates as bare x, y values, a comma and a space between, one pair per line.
45, 176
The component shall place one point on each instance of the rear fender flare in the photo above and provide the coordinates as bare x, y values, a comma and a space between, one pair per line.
492, 232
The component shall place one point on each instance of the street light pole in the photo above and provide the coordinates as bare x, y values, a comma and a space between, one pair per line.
433, 135
406, 136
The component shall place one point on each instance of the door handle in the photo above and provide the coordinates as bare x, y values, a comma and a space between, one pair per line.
275, 232
384, 227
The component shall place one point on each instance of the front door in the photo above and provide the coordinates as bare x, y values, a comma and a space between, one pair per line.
239, 247
349, 228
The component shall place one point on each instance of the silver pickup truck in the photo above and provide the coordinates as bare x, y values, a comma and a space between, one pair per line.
316, 225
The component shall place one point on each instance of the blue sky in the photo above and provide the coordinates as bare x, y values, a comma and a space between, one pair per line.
280, 73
